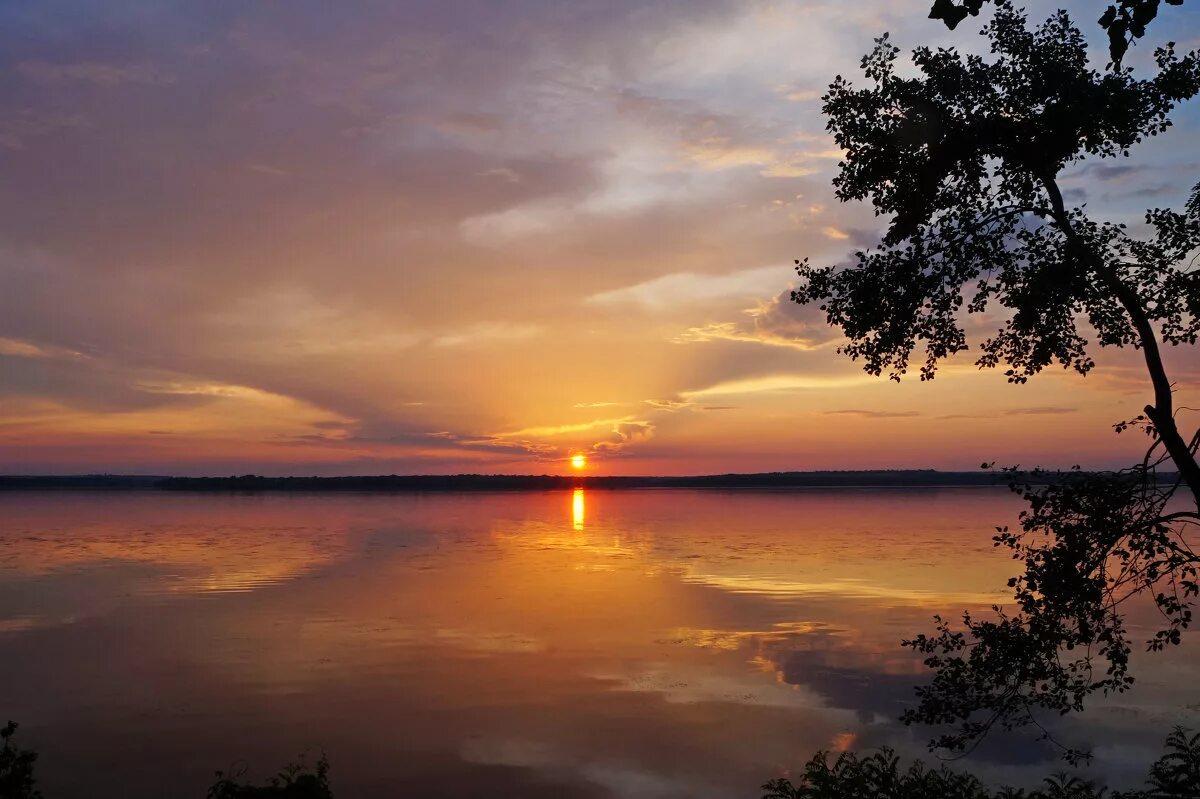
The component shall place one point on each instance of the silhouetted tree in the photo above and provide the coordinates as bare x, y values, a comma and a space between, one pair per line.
965, 158
1125, 21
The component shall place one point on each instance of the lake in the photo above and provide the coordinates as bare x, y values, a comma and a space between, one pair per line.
643, 643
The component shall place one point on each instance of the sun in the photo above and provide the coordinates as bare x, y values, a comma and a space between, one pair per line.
578, 461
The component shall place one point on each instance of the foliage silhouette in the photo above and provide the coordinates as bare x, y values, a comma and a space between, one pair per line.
294, 781
16, 767
1125, 21
966, 159
1175, 775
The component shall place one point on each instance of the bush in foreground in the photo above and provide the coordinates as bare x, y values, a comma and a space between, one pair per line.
295, 781
16, 767
1175, 775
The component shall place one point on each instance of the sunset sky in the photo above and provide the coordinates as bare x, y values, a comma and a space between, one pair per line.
475, 236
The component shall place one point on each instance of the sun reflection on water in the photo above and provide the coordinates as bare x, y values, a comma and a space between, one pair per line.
577, 509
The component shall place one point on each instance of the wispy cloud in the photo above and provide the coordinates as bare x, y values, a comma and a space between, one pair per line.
19, 348
869, 414
550, 431
668, 404
777, 383
1041, 410
778, 322
685, 288
624, 435
95, 72
268, 169
799, 94
205, 389
17, 127
487, 333
504, 445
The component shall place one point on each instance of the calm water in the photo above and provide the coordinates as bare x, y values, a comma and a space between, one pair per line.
627, 644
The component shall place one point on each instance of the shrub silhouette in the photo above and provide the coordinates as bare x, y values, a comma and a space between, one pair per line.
294, 781
1176, 775
16, 767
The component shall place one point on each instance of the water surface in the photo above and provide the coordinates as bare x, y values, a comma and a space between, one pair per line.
653, 643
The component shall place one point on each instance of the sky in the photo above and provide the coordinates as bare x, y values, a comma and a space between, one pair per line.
476, 236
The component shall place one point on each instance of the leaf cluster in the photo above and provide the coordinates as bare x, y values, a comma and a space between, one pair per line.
964, 159
1124, 22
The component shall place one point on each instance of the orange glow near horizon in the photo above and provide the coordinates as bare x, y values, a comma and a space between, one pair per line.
331, 339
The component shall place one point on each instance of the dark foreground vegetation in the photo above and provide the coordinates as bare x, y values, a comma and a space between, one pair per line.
294, 781
1176, 775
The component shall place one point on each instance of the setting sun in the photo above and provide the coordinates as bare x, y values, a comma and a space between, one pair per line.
578, 461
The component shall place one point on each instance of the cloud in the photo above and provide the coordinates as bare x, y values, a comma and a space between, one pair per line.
18, 126
687, 288
875, 414
17, 348
668, 404
488, 333
550, 431
778, 322
717, 141
523, 220
202, 389
624, 435
502, 172
777, 159
834, 233
733, 331
1043, 410
604, 437
95, 72
1109, 171
800, 94
502, 444
777, 383
267, 169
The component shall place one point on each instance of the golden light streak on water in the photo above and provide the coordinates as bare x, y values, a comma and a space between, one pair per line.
577, 509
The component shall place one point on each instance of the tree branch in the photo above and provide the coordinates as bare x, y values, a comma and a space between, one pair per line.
1161, 412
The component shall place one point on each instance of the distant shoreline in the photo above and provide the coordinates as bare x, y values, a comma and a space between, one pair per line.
915, 478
